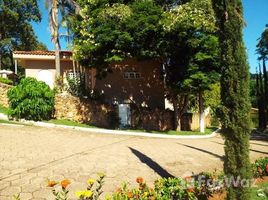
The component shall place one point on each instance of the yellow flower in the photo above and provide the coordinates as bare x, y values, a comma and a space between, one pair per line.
145, 194
88, 193
90, 181
84, 193
79, 193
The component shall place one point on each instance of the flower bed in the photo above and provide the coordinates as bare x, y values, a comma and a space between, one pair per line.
203, 186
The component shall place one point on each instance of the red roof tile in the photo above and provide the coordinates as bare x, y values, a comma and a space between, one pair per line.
43, 53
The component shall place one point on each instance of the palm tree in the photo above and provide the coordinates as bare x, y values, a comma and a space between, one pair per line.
66, 7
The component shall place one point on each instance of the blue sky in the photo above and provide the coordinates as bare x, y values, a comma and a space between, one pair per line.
255, 13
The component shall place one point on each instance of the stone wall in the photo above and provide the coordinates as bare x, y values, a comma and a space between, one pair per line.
156, 119
98, 114
3, 94
103, 115
82, 110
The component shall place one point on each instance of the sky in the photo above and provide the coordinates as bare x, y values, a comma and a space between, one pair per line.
255, 14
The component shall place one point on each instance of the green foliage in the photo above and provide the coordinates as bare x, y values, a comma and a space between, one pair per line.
168, 188
262, 46
262, 94
253, 89
107, 32
6, 81
212, 96
3, 109
260, 193
235, 106
16, 32
76, 85
260, 167
181, 36
190, 46
31, 100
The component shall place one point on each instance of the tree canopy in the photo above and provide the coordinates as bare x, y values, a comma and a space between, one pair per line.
262, 46
16, 32
180, 35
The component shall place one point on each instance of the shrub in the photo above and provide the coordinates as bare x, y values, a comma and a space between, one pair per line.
113, 119
260, 167
76, 85
6, 81
31, 100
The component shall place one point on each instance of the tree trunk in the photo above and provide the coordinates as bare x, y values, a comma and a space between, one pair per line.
180, 103
55, 35
265, 90
57, 62
261, 102
258, 94
0, 53
0, 61
177, 116
201, 113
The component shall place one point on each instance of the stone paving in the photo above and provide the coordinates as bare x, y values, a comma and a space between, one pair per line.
30, 155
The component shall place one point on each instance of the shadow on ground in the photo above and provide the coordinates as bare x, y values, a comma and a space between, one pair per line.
151, 163
203, 150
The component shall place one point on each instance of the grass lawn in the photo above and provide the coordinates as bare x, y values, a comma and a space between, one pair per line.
67, 122
208, 131
259, 190
11, 122
3, 110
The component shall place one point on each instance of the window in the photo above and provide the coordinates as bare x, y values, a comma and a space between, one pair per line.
132, 75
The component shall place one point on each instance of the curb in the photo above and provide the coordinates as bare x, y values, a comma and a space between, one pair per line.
126, 133
116, 132
3, 116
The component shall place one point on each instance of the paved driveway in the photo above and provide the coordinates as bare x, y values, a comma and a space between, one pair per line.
29, 155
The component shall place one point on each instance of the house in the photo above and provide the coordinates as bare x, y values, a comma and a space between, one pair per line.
131, 81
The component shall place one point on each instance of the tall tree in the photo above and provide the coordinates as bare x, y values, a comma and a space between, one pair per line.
262, 50
182, 38
190, 50
261, 100
57, 7
16, 32
235, 106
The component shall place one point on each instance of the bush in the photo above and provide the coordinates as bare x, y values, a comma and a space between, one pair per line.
76, 85
113, 119
31, 100
6, 81
260, 167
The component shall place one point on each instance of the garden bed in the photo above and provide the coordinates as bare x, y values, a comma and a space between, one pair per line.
257, 191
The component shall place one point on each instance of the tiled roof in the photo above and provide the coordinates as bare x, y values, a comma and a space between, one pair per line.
43, 53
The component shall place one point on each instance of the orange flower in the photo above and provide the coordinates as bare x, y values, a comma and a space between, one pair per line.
190, 190
51, 183
139, 180
152, 198
65, 183
129, 195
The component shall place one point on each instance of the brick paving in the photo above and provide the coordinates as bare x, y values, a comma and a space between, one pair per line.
30, 155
